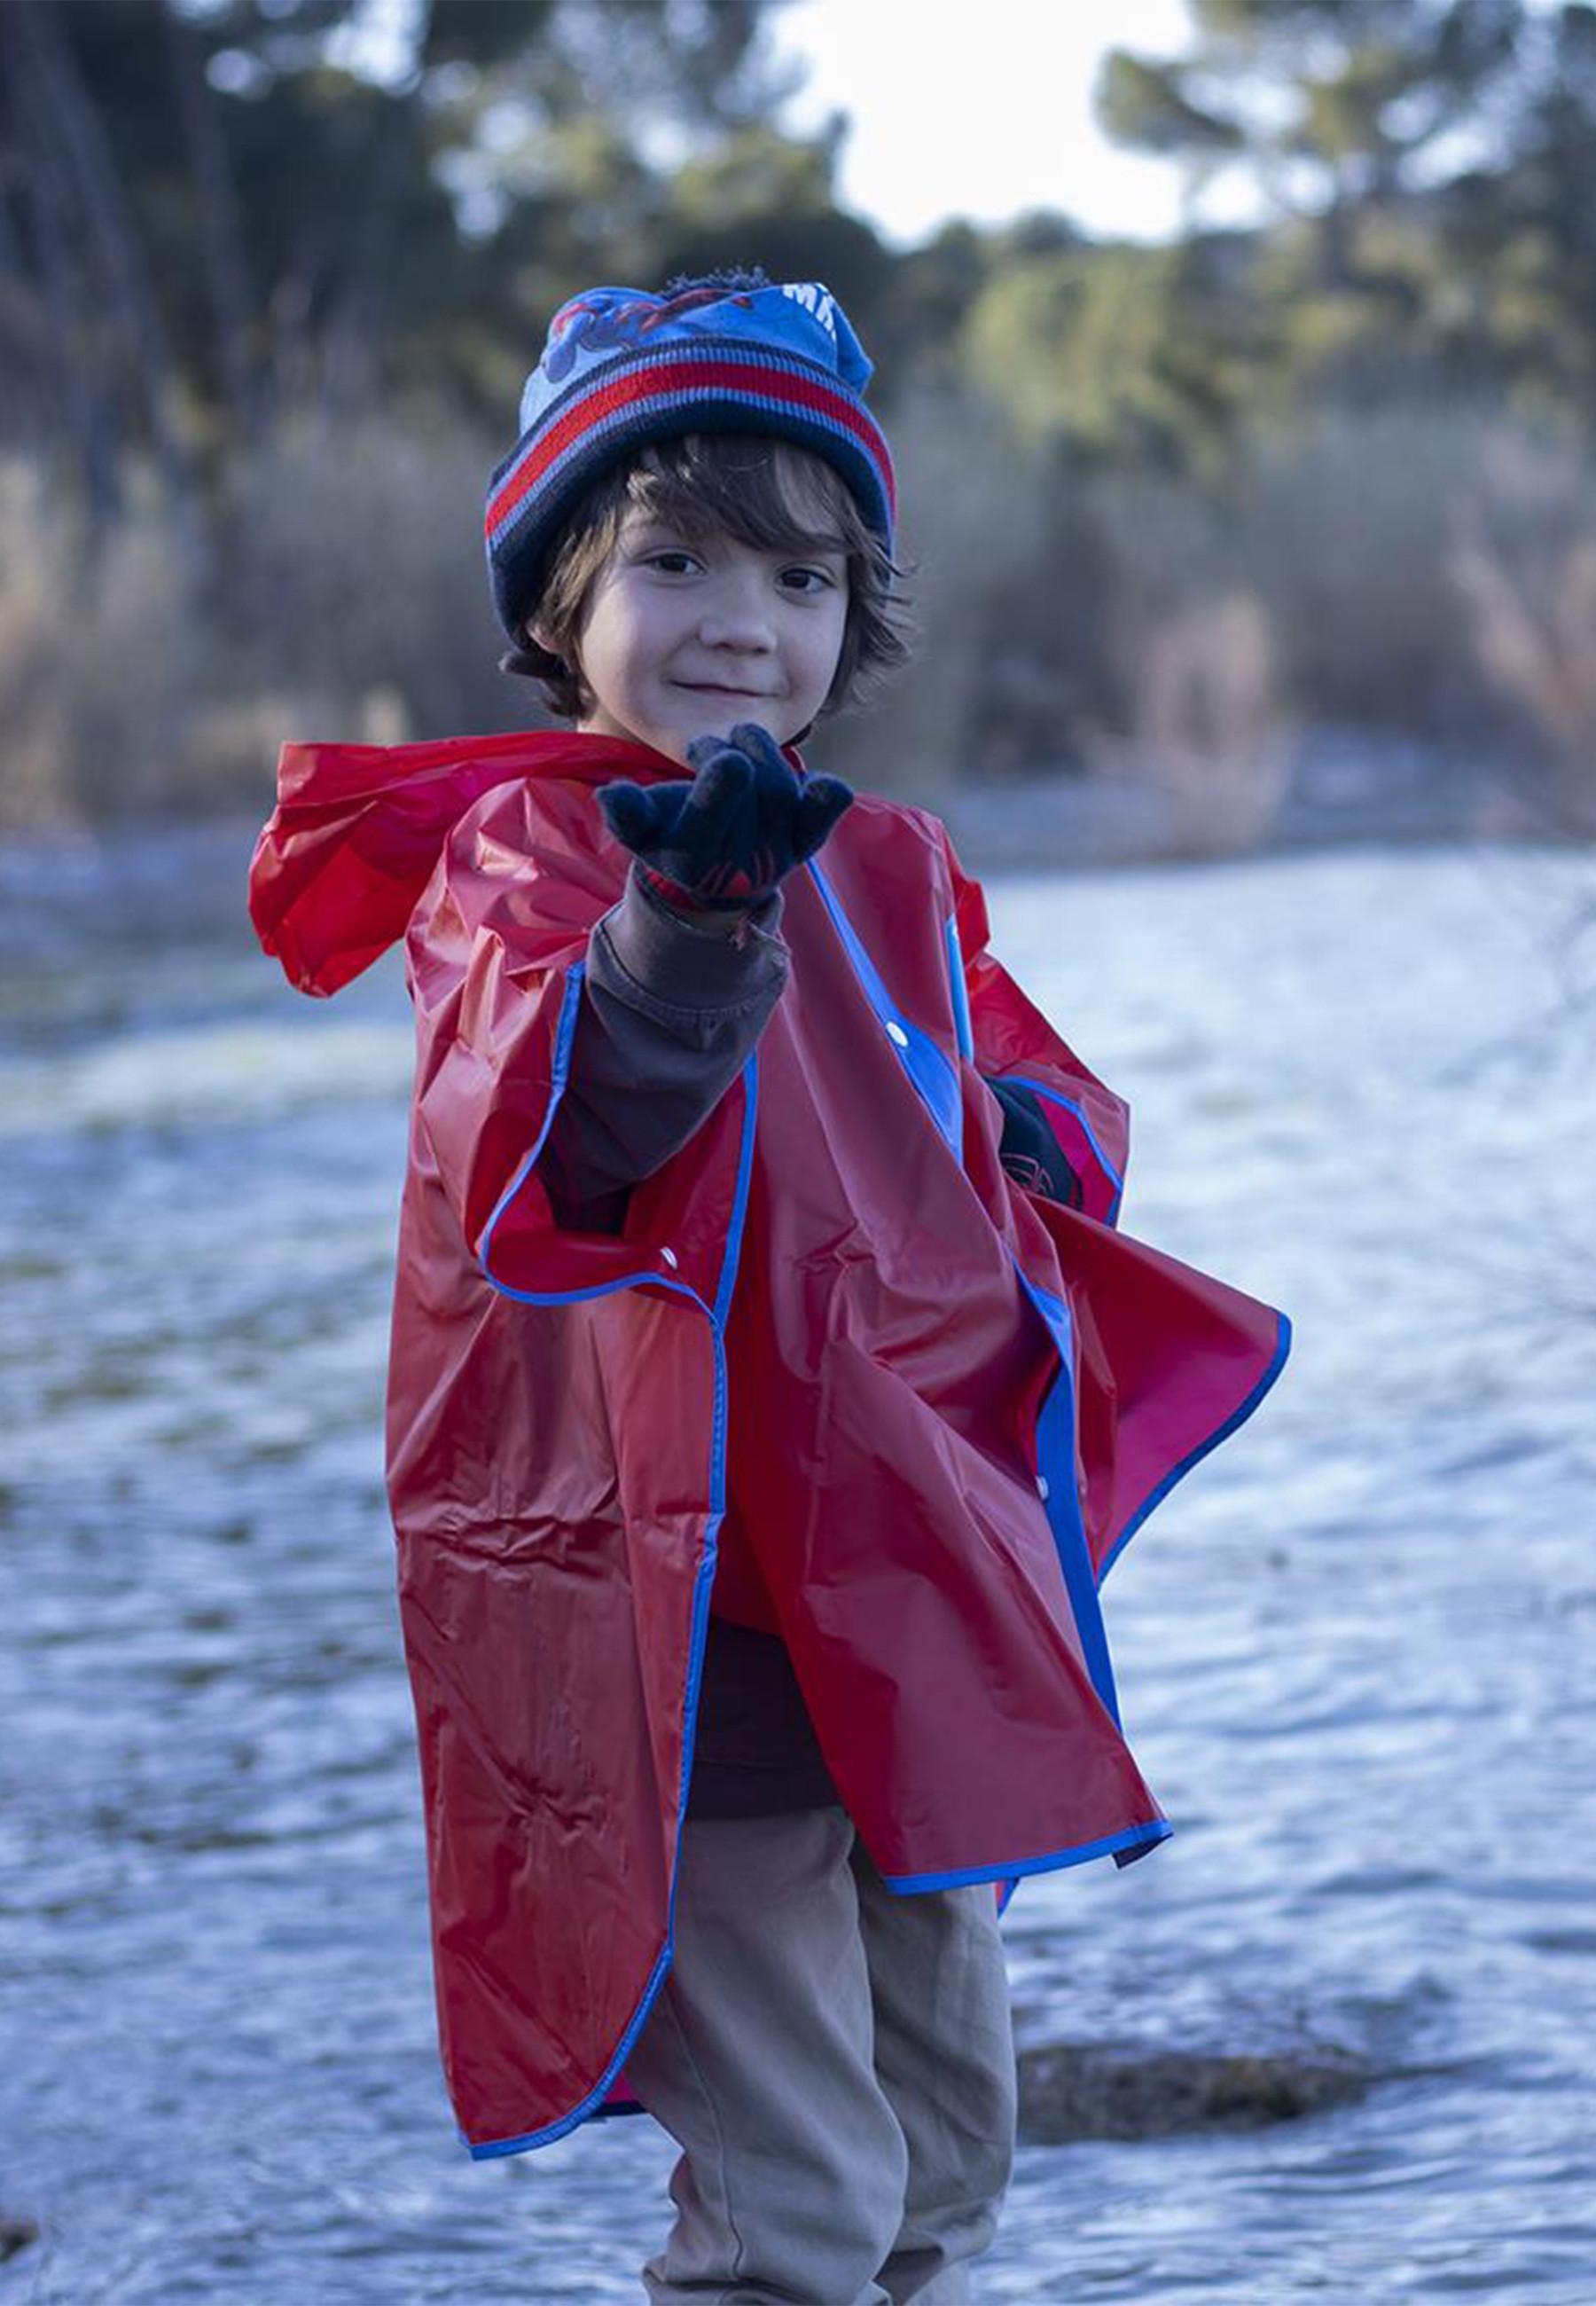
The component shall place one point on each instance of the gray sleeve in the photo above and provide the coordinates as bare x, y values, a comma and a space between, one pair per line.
671, 1010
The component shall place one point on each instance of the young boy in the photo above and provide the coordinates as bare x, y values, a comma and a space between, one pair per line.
770, 1385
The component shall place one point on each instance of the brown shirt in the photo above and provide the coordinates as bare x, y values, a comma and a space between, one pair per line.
673, 1006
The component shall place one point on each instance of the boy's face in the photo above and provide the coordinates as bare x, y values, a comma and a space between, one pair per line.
683, 637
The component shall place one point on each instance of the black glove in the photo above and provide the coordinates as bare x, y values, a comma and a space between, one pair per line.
724, 841
1031, 1152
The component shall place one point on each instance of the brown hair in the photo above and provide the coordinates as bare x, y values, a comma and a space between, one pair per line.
766, 493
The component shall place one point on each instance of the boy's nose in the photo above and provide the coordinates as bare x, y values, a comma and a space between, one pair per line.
737, 616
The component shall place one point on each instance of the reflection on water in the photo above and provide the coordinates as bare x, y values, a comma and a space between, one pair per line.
1354, 1649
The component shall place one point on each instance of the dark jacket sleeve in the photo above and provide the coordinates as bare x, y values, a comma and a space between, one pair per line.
672, 1008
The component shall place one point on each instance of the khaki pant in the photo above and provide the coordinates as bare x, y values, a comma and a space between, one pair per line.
837, 2065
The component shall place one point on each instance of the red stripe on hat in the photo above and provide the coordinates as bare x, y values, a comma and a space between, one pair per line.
660, 377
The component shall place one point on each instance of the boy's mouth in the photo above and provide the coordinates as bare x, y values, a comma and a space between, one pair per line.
723, 688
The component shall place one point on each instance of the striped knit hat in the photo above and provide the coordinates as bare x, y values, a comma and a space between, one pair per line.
733, 352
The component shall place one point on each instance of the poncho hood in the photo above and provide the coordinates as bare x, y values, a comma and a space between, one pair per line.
358, 830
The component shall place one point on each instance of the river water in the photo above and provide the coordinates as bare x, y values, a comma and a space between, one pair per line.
1356, 1650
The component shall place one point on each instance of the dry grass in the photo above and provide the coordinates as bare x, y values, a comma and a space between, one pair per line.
1342, 527
336, 589
1430, 574
972, 526
1209, 730
1524, 563
1199, 711
355, 564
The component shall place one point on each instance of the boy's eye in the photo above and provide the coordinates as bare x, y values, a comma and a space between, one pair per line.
807, 580
672, 562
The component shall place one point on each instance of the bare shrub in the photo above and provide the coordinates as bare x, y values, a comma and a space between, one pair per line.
336, 588
1524, 563
1342, 527
1067, 621
356, 567
40, 551
1213, 723
100, 652
1201, 713
974, 513
135, 688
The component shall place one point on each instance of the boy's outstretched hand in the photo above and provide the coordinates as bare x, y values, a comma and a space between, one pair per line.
724, 841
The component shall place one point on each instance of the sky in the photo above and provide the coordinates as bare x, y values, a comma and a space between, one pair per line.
984, 111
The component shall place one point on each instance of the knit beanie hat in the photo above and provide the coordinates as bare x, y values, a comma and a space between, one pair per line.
731, 352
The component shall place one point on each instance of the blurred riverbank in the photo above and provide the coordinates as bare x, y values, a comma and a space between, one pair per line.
1337, 789
181, 873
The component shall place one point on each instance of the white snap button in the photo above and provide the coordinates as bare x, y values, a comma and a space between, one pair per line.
897, 1032
669, 1256
1042, 1487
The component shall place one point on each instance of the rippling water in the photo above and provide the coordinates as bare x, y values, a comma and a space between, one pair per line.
1355, 1649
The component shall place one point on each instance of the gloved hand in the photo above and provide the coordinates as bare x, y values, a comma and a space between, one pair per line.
1030, 1151
724, 841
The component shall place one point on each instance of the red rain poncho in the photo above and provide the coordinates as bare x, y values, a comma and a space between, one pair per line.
940, 1402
